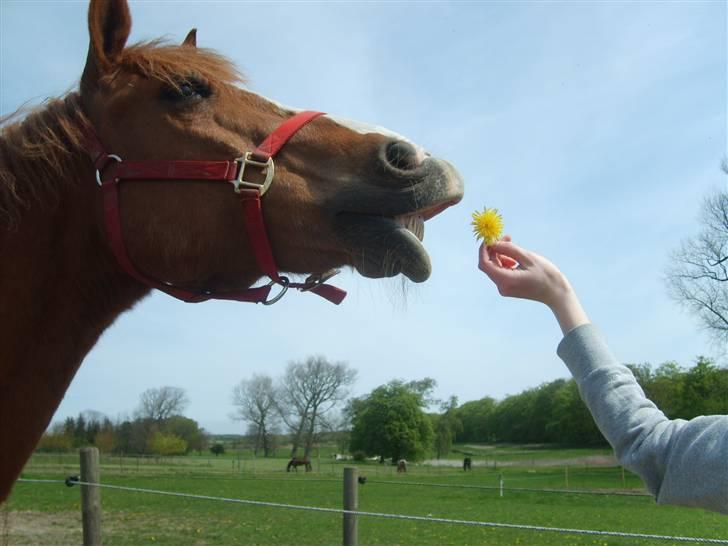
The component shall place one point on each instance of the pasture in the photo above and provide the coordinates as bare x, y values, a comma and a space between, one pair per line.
49, 514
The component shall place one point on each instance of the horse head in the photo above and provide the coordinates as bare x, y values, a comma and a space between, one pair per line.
344, 193
175, 142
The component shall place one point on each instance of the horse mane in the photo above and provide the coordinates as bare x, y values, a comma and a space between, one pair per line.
38, 146
36, 151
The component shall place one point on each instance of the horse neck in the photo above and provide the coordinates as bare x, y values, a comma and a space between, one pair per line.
60, 287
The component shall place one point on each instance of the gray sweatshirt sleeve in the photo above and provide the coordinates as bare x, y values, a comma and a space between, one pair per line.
681, 462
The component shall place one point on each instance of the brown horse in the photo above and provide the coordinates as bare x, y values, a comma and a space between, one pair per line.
93, 214
295, 463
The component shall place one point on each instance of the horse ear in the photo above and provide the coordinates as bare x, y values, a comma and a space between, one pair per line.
109, 24
191, 39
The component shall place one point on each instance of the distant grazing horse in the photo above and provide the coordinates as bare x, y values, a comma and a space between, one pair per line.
295, 463
401, 465
467, 464
158, 172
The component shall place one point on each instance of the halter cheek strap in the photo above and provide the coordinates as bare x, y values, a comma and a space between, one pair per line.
111, 170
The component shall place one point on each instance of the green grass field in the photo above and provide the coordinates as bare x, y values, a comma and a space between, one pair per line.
49, 514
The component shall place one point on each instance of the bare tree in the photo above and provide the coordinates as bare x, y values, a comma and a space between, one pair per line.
255, 404
308, 390
698, 277
159, 404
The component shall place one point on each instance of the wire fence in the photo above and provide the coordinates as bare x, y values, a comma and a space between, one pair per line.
570, 475
520, 489
552, 490
426, 519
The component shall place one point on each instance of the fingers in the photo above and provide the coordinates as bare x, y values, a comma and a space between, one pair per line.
512, 250
501, 260
507, 262
492, 265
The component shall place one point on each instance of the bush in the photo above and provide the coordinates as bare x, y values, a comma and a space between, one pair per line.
167, 444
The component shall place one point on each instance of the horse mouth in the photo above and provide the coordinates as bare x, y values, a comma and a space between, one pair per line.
382, 222
389, 245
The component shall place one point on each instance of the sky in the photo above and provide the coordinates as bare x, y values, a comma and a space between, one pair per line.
596, 128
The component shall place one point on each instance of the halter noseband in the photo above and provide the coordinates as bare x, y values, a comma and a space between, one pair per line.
111, 170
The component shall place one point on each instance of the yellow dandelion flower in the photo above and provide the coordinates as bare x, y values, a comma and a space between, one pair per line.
487, 225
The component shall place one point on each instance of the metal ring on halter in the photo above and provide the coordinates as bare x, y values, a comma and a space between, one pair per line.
313, 281
284, 282
98, 171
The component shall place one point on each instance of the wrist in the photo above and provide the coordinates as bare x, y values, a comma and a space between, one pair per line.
568, 311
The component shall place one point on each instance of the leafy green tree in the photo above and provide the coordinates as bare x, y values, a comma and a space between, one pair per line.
187, 429
705, 390
642, 373
663, 386
134, 436
666, 389
217, 448
512, 415
391, 422
423, 388
446, 426
476, 417
572, 423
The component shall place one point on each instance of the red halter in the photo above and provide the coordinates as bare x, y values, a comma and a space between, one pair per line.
111, 170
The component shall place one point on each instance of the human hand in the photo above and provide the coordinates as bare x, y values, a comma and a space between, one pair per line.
520, 273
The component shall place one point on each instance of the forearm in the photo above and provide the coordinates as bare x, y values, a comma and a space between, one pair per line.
681, 462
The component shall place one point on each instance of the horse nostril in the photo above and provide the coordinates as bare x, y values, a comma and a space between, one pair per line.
402, 155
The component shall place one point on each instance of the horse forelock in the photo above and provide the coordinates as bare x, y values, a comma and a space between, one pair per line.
171, 64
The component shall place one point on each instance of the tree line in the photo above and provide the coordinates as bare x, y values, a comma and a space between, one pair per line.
555, 413
391, 422
158, 428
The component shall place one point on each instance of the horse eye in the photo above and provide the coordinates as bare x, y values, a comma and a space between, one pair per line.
186, 91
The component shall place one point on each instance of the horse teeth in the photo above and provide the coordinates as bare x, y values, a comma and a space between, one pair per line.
414, 223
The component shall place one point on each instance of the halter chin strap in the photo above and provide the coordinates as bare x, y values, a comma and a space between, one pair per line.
111, 170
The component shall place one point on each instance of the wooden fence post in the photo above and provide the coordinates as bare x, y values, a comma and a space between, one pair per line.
90, 497
351, 502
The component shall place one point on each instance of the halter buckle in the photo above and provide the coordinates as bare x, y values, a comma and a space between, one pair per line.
266, 167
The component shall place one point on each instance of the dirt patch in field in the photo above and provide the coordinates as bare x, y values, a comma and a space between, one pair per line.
33, 528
